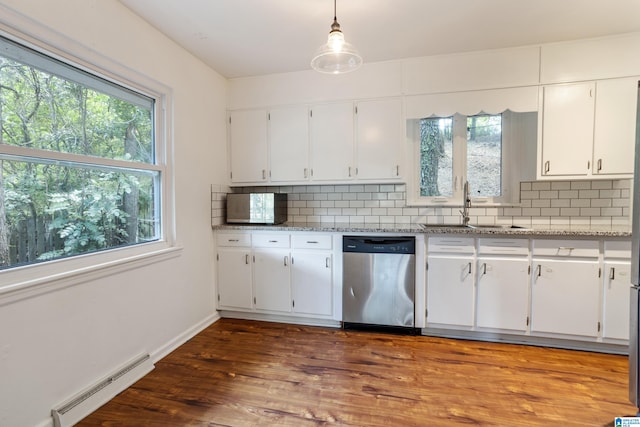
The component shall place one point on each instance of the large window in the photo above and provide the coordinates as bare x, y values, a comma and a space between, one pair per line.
78, 164
481, 149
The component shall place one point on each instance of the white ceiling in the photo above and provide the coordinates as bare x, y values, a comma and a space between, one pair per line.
253, 37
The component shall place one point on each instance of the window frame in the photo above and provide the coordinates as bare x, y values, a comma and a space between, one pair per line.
510, 162
22, 281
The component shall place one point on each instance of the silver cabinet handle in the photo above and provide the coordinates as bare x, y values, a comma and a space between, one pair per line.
285, 261
349, 171
233, 240
315, 242
305, 173
246, 259
612, 273
484, 268
273, 241
539, 270
397, 170
326, 262
547, 166
264, 174
469, 268
599, 167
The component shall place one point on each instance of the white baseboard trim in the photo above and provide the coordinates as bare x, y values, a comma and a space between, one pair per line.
164, 350
184, 337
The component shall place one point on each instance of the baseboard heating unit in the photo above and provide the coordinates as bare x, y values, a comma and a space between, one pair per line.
84, 403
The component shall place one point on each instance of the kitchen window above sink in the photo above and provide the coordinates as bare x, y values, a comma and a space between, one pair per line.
483, 150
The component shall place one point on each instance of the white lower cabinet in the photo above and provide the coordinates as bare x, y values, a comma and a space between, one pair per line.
565, 293
617, 285
312, 283
503, 284
450, 282
276, 273
234, 279
616, 295
503, 293
271, 280
234, 271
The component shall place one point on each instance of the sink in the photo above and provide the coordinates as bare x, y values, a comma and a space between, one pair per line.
444, 226
498, 227
473, 227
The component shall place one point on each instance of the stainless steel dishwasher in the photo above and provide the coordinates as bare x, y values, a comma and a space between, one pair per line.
378, 283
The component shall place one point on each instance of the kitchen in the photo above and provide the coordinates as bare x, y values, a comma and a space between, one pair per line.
113, 329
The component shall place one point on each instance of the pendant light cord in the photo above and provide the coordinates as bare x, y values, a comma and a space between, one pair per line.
335, 14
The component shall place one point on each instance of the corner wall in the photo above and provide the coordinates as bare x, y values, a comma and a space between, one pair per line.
53, 345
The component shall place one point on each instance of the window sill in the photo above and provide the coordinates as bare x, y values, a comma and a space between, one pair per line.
31, 281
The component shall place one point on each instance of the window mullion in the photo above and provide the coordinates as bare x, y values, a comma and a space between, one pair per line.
45, 156
459, 154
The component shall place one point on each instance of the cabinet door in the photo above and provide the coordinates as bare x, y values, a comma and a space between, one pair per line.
615, 126
311, 283
331, 128
248, 140
289, 143
450, 291
565, 297
503, 293
567, 129
234, 279
271, 280
379, 139
615, 321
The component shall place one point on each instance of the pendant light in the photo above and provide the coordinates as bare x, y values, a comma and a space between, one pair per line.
336, 56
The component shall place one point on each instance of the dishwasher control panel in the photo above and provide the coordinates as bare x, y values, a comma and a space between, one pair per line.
379, 245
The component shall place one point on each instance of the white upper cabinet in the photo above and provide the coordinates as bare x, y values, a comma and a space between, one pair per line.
248, 146
379, 139
289, 143
588, 129
331, 127
567, 129
615, 126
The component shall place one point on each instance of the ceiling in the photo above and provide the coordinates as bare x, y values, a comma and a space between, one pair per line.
241, 38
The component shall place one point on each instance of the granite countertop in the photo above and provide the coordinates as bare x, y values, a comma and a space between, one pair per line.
530, 231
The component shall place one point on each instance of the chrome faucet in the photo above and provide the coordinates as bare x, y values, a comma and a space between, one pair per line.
466, 204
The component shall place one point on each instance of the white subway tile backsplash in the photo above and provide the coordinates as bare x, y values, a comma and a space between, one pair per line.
551, 194
609, 194
561, 185
580, 185
588, 194
601, 185
580, 203
595, 212
560, 203
541, 186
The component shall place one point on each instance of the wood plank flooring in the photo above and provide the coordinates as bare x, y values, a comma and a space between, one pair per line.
246, 373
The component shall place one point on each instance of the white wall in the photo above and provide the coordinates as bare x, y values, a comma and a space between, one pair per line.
54, 344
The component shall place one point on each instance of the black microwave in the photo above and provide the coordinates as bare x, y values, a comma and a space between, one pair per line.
256, 208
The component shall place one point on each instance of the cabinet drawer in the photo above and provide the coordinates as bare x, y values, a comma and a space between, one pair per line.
504, 246
451, 244
270, 240
566, 248
234, 239
617, 250
311, 241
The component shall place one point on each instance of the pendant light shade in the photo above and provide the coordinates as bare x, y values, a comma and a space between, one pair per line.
336, 56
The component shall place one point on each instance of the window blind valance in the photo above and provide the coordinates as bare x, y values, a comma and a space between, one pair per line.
521, 99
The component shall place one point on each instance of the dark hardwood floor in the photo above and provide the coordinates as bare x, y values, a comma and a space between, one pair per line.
246, 373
